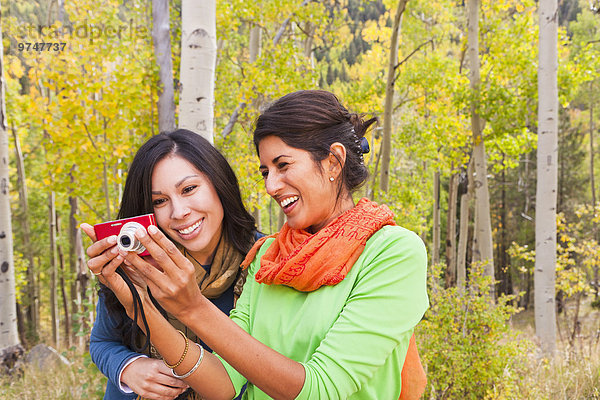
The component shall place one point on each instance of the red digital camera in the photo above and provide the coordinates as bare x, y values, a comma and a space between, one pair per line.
125, 231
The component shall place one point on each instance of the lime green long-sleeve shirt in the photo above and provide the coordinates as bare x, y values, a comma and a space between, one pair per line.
351, 338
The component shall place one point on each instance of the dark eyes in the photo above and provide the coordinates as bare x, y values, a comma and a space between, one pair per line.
281, 165
188, 189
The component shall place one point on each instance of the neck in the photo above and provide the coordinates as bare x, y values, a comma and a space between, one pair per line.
204, 257
341, 207
200, 258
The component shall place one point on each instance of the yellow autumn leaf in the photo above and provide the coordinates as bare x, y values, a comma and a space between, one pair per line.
15, 69
371, 32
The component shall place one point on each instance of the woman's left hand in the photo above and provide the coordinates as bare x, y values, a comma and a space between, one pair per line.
172, 280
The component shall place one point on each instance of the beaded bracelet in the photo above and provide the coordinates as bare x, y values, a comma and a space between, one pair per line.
194, 368
187, 346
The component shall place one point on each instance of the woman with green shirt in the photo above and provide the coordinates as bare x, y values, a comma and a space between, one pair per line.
330, 302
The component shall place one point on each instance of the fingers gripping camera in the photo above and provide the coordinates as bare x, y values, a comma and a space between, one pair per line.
125, 230
127, 240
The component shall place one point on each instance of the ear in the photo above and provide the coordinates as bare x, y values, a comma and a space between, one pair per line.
336, 160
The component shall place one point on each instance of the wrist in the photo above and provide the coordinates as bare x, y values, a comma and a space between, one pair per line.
147, 302
193, 311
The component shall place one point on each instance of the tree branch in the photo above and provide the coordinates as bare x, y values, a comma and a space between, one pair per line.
410, 55
283, 27
89, 136
232, 120
100, 216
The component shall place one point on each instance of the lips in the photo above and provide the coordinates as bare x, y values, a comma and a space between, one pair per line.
190, 228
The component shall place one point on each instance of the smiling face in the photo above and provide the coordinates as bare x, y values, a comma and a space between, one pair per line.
300, 187
187, 207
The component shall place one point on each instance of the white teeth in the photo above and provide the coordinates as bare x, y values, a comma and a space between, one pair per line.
288, 201
190, 229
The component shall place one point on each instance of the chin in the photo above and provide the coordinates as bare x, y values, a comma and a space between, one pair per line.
197, 247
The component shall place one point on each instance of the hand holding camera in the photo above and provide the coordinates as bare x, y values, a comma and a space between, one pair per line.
125, 230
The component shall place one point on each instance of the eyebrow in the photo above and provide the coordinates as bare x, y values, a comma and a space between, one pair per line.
273, 161
178, 183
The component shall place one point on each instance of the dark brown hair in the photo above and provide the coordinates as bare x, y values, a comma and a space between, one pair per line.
313, 120
238, 225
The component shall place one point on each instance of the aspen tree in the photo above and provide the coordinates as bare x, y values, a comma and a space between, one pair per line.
547, 172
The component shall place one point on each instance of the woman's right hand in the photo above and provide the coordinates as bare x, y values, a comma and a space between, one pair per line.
103, 261
152, 379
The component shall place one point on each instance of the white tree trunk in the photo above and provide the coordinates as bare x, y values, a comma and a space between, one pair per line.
254, 43
547, 172
483, 249
9, 337
161, 36
197, 72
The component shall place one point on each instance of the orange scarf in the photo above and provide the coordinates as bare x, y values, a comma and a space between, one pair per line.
307, 261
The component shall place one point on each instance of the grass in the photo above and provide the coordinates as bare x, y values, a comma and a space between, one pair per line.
574, 373
81, 380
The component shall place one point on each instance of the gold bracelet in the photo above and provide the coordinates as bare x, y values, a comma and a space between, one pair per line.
187, 346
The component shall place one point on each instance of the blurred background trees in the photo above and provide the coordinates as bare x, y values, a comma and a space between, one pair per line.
75, 117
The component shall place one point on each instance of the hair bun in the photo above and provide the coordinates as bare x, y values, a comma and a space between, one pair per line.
361, 126
355, 120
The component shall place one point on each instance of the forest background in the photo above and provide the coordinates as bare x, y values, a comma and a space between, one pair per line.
77, 114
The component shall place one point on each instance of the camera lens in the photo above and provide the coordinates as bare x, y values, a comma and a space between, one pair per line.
127, 240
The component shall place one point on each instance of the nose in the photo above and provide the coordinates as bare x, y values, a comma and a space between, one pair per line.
273, 184
180, 209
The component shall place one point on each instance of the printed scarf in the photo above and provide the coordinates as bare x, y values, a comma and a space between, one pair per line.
306, 261
223, 271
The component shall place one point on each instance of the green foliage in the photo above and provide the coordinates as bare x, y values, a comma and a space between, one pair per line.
81, 114
20, 277
83, 110
577, 253
468, 345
